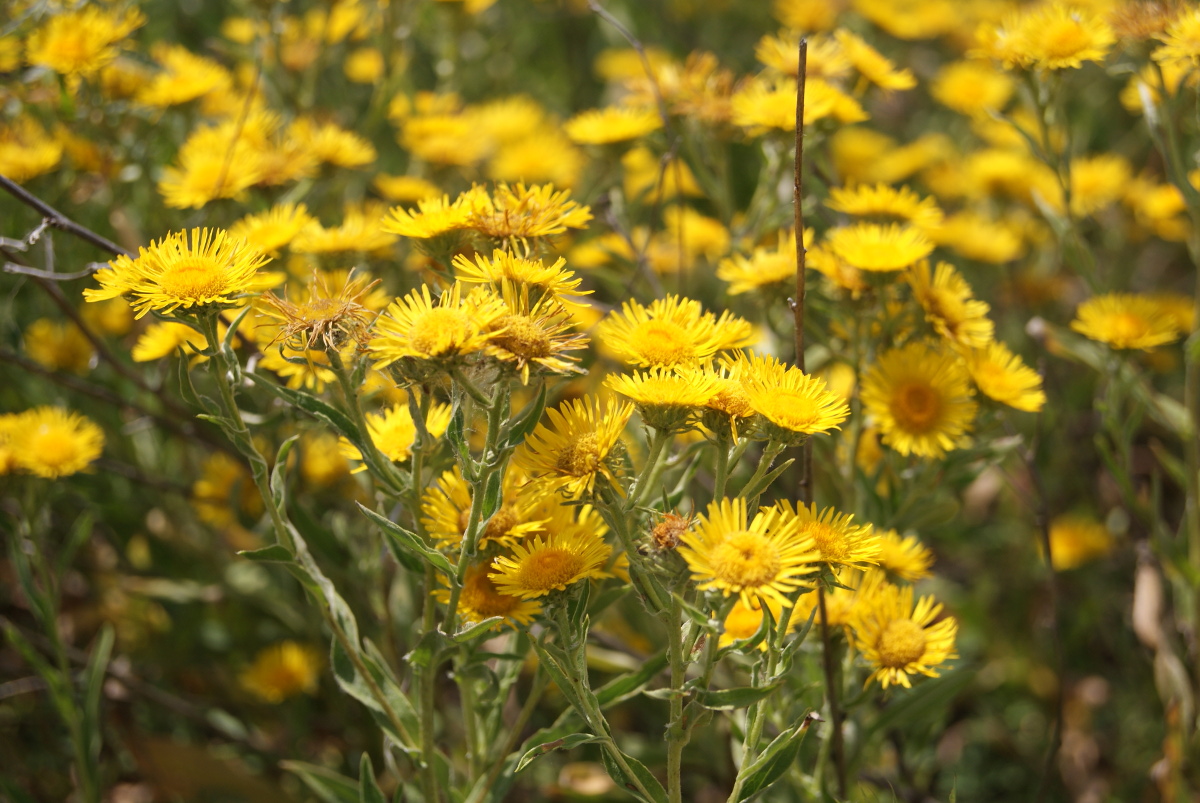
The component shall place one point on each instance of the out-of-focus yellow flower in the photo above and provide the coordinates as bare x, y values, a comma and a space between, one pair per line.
163, 339
1077, 539
52, 442
113, 317
273, 229
185, 77
79, 43
871, 64
283, 670
972, 87
809, 15
59, 346
764, 267
880, 200
949, 304
899, 639
612, 124
904, 557
406, 189
1097, 181
1181, 41
1051, 36
361, 231
1126, 321
869, 246
1001, 375
27, 150
646, 175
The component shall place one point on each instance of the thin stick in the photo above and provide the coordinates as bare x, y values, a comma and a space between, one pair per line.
59, 221
805, 483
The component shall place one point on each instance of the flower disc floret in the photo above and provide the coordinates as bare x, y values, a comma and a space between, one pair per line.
416, 327
550, 563
900, 640
574, 450
671, 331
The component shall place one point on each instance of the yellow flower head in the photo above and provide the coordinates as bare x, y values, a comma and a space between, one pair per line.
1051, 36
872, 64
575, 449
1181, 42
838, 540
904, 557
973, 88
332, 144
880, 200
283, 670
273, 229
51, 442
416, 327
364, 65
446, 511
870, 246
611, 124
26, 150
80, 43
548, 563
163, 339
185, 77
393, 432
433, 217
796, 405
1000, 375
480, 600
666, 397
898, 639
1077, 539
921, 400
671, 331
1125, 321
322, 464
329, 315
361, 230
1097, 181
744, 621
537, 278
765, 266
209, 269
519, 213
406, 189
763, 560
59, 346
950, 306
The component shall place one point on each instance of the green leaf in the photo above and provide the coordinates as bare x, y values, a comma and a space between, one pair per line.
368, 787
477, 629
275, 553
740, 697
94, 674
526, 421
314, 407
765, 481
231, 333
622, 688
774, 761
456, 433
643, 775
565, 743
329, 786
491, 496
410, 542
279, 472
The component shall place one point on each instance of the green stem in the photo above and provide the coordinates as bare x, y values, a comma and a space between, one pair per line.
381, 468
831, 695
721, 472
540, 681
677, 732
645, 481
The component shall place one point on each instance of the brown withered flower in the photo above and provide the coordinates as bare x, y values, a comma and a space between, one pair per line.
669, 530
1139, 20
328, 317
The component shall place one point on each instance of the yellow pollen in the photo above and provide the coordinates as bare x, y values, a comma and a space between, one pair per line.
53, 447
580, 457
663, 343
549, 568
916, 406
438, 331
746, 560
480, 595
193, 277
902, 643
523, 338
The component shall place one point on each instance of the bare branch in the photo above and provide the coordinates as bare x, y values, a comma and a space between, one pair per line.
55, 219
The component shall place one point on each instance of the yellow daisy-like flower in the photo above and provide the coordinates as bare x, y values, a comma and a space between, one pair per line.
764, 104
550, 563
331, 314
446, 511
921, 400
880, 200
531, 335
1181, 41
838, 540
780, 52
1052, 36
26, 150
59, 346
208, 269
517, 212
1078, 539
322, 464
743, 621
271, 230
283, 670
164, 339
840, 274
950, 306
51, 442
1001, 375
541, 279
393, 432
361, 230
80, 43
574, 450
481, 600
1125, 321
406, 189
905, 557
611, 124
185, 77
796, 404
972, 87
671, 331
841, 604
332, 144
979, 237
870, 246
414, 326
899, 639
766, 559
765, 266
666, 397
1179, 308
434, 217
872, 64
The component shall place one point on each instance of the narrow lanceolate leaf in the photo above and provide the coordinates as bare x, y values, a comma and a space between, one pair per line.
730, 699
97, 667
774, 761
641, 775
368, 788
279, 472
275, 553
329, 786
565, 743
477, 629
526, 420
410, 542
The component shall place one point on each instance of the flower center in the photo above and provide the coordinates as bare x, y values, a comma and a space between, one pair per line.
549, 568
916, 406
479, 594
53, 447
663, 343
1125, 326
193, 277
523, 338
901, 643
500, 524
580, 457
830, 541
746, 560
438, 331
1064, 38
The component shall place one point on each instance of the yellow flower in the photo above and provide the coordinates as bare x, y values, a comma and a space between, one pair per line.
764, 104
743, 621
695, 233
978, 237
185, 77
1052, 36
550, 563
364, 65
949, 306
574, 450
872, 64
163, 339
333, 144
545, 154
223, 483
447, 139
648, 176
217, 162
766, 559
393, 432
51, 442
671, 331
666, 397
518, 212
826, 58
921, 400
864, 200
809, 15
415, 327
322, 464
532, 334
1181, 42
434, 217
446, 511
795, 403
838, 540
283, 670
1125, 321
531, 275
481, 600
905, 557
765, 266
611, 124
58, 346
973, 88
1097, 181
999, 374
208, 269
898, 639
79, 43
362, 230
405, 189
869, 246
26, 150
330, 315
271, 230
113, 317
1077, 539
